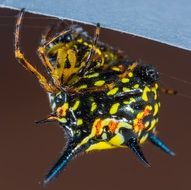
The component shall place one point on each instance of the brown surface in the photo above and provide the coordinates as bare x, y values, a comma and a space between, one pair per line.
28, 151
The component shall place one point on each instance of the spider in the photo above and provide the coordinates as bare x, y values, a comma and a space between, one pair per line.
100, 98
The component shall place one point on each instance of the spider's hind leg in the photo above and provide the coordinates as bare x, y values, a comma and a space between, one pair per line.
24, 62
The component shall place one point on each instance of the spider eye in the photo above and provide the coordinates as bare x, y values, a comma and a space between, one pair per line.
59, 100
66, 38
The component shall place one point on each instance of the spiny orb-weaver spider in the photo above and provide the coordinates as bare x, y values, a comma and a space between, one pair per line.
101, 99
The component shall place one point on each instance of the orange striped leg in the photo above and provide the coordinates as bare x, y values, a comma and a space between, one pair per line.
23, 61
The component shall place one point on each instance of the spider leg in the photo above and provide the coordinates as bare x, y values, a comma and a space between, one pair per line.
42, 55
92, 52
24, 62
96, 36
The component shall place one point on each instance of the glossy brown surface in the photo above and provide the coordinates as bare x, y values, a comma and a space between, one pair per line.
28, 150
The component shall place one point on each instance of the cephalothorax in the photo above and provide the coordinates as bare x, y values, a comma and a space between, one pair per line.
101, 99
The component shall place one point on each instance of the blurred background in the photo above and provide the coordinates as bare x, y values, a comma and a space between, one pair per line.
28, 151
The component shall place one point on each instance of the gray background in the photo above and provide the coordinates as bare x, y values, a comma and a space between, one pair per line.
166, 21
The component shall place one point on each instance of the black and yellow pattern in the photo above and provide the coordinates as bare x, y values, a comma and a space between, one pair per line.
101, 99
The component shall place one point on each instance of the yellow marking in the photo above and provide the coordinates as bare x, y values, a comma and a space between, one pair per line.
99, 83
86, 44
143, 139
156, 109
136, 86
92, 134
62, 120
93, 106
145, 91
155, 93
131, 100
131, 67
115, 68
100, 146
140, 115
117, 140
153, 123
76, 105
124, 125
91, 75
79, 40
156, 85
106, 122
125, 89
113, 91
125, 80
114, 108
147, 124
159, 104
83, 86
79, 121
130, 74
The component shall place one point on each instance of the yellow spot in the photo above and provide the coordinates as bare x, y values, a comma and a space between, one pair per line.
124, 125
145, 91
143, 139
125, 89
91, 75
93, 106
125, 80
156, 85
76, 105
106, 122
86, 44
115, 68
92, 134
153, 123
62, 120
147, 124
140, 115
114, 108
80, 40
100, 146
156, 109
131, 100
130, 74
159, 104
83, 86
79, 121
99, 83
136, 86
113, 91
117, 140
131, 67
155, 93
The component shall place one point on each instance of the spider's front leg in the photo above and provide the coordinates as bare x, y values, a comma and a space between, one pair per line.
24, 62
44, 58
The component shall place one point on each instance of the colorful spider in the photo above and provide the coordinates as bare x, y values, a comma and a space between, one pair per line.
101, 99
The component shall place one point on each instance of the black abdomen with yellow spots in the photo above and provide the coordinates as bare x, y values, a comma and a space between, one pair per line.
100, 98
